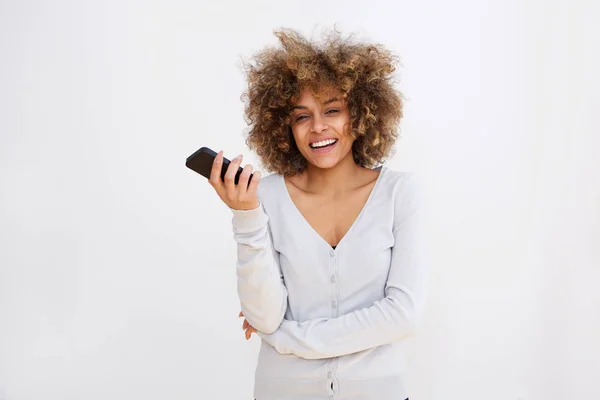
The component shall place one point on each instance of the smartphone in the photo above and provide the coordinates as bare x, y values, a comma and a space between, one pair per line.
202, 160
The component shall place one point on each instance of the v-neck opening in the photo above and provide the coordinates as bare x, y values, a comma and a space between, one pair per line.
354, 223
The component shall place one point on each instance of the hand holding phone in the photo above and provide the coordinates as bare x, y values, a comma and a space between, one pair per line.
240, 196
235, 186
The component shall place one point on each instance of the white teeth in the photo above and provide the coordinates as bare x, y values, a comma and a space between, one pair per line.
322, 143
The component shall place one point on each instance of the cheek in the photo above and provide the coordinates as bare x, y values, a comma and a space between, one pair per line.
298, 134
346, 127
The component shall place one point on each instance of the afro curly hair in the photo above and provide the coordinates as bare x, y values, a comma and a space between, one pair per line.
361, 71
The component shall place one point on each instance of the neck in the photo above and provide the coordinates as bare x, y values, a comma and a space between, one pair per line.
338, 179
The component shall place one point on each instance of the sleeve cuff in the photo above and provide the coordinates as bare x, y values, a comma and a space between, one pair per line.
270, 339
249, 219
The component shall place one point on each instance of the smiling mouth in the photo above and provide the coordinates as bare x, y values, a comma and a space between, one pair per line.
323, 144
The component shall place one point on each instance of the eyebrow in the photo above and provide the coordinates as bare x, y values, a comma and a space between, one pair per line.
333, 99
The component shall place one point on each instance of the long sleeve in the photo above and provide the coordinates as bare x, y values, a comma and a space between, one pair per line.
387, 320
262, 292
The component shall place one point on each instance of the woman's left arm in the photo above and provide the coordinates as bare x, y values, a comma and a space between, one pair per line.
386, 321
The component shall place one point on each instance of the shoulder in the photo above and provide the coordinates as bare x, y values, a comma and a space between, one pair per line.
405, 190
269, 191
400, 183
268, 185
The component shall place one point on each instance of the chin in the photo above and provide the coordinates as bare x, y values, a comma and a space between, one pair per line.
324, 164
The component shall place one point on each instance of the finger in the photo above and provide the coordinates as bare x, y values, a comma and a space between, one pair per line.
254, 183
241, 314
230, 176
250, 331
244, 176
215, 171
245, 325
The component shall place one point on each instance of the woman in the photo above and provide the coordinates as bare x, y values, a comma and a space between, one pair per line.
331, 268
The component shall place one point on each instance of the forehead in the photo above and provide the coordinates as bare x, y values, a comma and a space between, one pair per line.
308, 96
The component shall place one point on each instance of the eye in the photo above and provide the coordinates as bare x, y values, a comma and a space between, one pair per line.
334, 110
301, 117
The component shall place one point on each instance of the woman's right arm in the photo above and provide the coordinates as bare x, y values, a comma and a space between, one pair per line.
262, 293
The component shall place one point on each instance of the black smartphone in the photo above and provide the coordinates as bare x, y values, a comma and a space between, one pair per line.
202, 160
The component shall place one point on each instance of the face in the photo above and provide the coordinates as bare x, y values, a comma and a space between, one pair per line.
321, 128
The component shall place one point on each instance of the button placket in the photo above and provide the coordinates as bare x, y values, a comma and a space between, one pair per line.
333, 280
329, 382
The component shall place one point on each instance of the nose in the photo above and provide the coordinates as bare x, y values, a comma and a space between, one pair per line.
318, 125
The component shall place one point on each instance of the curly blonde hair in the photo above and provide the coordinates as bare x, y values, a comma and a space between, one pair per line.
362, 72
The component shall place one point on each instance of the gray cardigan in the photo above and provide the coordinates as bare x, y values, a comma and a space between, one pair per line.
332, 321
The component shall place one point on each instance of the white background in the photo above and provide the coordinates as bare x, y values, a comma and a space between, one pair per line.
117, 263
